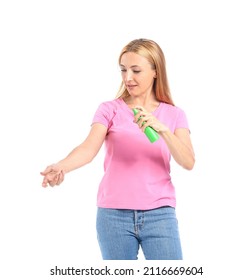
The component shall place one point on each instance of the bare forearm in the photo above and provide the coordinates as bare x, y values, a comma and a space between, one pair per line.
86, 151
77, 158
178, 143
182, 154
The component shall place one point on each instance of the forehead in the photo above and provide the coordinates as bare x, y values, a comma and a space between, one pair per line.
130, 59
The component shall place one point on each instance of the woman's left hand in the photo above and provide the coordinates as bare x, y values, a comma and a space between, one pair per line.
179, 142
144, 118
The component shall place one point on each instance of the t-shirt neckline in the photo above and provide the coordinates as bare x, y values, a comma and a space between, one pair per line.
130, 110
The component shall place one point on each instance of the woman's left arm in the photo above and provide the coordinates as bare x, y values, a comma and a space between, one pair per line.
180, 146
179, 142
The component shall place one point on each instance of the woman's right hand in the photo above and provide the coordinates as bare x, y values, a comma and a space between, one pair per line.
53, 175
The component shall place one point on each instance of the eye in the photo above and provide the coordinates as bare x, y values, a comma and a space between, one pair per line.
136, 71
123, 70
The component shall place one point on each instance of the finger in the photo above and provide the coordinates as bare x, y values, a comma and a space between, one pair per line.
47, 170
45, 182
145, 125
51, 176
54, 180
148, 121
153, 123
60, 178
52, 183
142, 120
137, 117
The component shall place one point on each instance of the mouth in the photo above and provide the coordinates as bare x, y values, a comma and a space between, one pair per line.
130, 87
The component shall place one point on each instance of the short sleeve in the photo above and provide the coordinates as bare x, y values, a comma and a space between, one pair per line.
104, 114
181, 121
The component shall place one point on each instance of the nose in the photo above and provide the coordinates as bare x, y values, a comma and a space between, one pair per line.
128, 76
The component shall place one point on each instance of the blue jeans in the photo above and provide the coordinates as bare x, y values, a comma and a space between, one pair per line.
120, 233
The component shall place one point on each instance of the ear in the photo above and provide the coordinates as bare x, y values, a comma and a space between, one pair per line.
155, 75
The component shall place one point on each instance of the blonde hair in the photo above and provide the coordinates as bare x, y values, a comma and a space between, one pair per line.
154, 54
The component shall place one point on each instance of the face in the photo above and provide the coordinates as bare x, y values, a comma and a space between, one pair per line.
137, 74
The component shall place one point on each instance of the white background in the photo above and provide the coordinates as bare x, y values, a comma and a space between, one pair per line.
58, 62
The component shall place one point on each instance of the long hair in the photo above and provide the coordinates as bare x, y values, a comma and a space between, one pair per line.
154, 54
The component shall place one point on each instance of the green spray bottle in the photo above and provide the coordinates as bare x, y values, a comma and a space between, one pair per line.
149, 131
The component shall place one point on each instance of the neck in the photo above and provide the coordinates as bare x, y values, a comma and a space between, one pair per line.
150, 103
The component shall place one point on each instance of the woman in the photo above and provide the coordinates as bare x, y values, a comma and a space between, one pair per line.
136, 198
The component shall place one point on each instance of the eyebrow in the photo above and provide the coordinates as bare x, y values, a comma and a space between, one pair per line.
130, 66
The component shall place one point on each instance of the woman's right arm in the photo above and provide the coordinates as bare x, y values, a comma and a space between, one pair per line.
79, 156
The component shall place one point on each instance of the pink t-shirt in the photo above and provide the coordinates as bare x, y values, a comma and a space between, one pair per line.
136, 171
